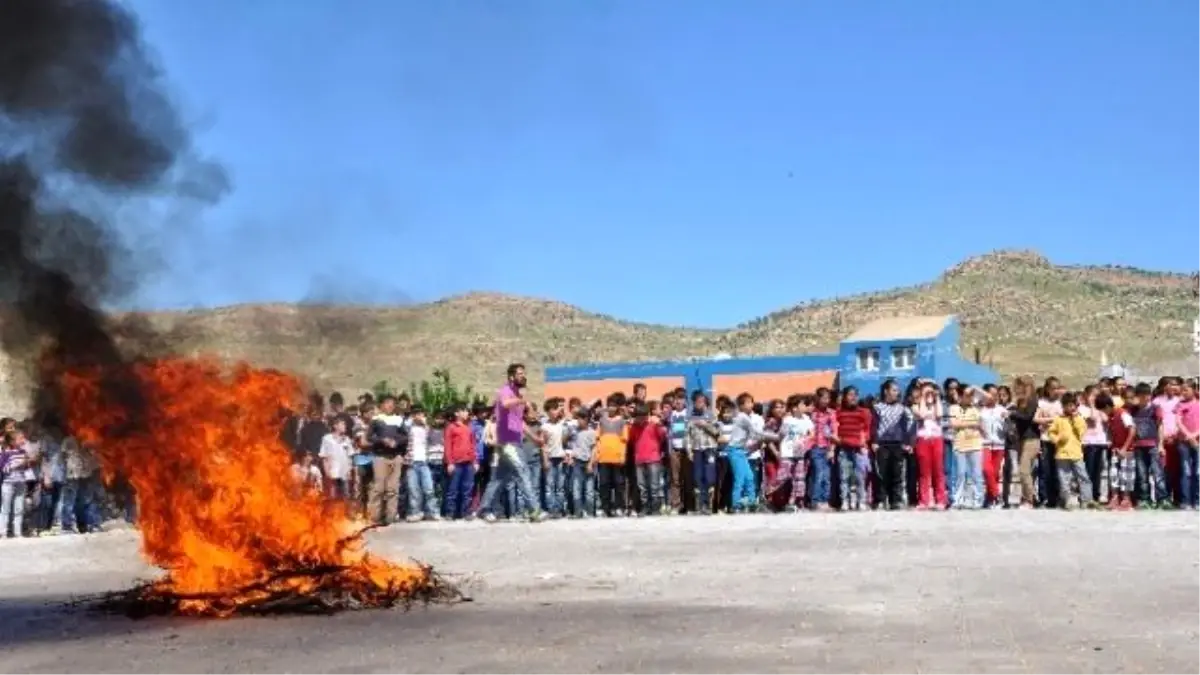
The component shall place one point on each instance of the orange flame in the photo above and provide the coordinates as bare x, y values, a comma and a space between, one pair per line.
217, 505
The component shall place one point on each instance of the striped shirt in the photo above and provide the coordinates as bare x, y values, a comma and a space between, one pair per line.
854, 426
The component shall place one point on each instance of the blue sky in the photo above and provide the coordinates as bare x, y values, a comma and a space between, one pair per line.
694, 162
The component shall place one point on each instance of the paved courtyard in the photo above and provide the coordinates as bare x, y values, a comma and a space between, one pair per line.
874, 592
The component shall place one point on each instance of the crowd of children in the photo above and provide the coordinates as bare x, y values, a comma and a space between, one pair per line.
930, 447
49, 484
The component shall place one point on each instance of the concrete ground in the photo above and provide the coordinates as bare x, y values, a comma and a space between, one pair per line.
918, 592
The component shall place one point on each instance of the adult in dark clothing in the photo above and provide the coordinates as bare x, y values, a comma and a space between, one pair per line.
312, 430
389, 442
1028, 435
289, 433
337, 411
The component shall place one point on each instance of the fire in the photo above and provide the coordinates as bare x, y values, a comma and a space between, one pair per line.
217, 506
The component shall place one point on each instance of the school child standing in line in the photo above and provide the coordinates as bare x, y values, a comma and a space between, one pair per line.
1123, 472
1066, 432
853, 434
968, 449
931, 476
703, 436
822, 454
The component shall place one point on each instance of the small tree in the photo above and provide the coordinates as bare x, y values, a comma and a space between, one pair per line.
382, 388
440, 392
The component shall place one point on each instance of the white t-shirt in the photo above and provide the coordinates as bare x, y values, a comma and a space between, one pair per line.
554, 433
795, 435
335, 456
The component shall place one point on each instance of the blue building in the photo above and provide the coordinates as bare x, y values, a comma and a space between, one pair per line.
900, 348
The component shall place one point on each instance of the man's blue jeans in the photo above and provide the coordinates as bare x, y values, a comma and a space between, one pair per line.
421, 498
556, 487
458, 490
1189, 482
508, 469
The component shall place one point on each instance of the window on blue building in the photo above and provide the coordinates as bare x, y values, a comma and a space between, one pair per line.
868, 358
904, 358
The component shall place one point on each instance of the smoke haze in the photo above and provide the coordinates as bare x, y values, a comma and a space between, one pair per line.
86, 127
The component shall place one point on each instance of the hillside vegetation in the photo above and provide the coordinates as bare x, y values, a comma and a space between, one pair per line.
1023, 313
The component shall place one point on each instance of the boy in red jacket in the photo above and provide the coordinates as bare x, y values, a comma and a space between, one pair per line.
647, 436
461, 464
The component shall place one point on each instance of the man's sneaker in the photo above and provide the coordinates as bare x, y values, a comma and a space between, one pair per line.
489, 517
537, 516
413, 519
434, 517
1166, 506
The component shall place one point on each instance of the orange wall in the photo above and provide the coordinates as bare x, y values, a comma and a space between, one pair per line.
590, 390
764, 386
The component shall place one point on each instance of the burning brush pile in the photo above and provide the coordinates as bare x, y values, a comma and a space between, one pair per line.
86, 130
217, 505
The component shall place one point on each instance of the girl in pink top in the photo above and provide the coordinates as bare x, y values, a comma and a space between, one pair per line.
1187, 417
1166, 398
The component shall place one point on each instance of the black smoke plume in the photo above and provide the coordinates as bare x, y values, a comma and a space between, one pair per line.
86, 127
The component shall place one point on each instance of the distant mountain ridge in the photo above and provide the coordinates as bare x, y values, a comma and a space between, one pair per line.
1022, 312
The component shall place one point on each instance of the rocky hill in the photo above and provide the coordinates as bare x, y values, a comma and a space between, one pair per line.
1022, 312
